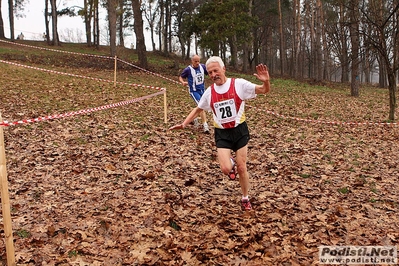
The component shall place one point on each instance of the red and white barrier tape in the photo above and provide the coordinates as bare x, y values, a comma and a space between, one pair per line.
91, 55
149, 72
56, 50
43, 118
80, 76
326, 122
158, 75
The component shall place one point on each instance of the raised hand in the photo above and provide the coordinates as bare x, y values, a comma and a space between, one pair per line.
262, 73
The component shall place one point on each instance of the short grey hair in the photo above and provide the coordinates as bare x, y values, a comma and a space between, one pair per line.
215, 59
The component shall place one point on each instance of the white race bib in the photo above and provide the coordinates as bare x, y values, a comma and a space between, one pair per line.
225, 111
199, 78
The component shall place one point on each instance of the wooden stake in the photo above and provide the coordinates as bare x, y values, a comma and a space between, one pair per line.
165, 107
5, 202
115, 65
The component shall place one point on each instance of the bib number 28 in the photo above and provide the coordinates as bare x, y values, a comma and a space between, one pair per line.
226, 111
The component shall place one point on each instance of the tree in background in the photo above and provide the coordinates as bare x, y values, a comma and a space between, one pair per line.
2, 35
55, 40
11, 18
54, 13
151, 14
112, 6
224, 27
89, 13
354, 33
183, 26
138, 29
382, 17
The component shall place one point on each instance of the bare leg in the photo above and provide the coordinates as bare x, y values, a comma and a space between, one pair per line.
203, 117
224, 160
241, 160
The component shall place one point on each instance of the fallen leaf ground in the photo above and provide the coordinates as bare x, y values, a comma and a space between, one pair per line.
114, 187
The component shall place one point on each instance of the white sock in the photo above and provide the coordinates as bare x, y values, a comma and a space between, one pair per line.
245, 198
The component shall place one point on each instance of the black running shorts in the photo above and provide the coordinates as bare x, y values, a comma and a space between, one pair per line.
232, 138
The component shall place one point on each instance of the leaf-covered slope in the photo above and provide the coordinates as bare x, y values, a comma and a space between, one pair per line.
116, 188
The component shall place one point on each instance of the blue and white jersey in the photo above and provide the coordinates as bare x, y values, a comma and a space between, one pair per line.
195, 77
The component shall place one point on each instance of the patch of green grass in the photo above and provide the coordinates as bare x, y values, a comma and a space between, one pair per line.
373, 200
374, 190
22, 233
174, 225
73, 253
343, 190
145, 137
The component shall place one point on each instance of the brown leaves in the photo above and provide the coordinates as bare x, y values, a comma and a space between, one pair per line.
116, 188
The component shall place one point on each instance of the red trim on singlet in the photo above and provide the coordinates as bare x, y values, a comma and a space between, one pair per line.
230, 94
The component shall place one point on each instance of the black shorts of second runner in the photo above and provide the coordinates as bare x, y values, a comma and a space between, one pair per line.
232, 138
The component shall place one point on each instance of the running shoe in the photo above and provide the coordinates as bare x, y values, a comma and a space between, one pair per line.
196, 122
246, 205
233, 172
206, 128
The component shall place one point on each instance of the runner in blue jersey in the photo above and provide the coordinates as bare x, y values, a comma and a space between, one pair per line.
193, 76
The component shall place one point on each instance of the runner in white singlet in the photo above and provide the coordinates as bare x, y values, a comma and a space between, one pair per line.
226, 99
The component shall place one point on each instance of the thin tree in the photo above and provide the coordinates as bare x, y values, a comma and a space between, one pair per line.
383, 18
354, 33
54, 20
11, 18
96, 24
139, 31
151, 13
2, 35
111, 7
281, 47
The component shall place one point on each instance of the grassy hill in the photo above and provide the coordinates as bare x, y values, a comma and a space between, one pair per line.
115, 187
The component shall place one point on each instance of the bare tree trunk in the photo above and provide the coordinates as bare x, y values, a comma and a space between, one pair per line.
382, 74
87, 19
112, 5
169, 24
305, 62
54, 22
246, 58
151, 17
354, 32
47, 22
392, 94
96, 26
11, 18
234, 52
344, 44
161, 25
139, 30
313, 47
282, 49
296, 38
326, 56
120, 25
318, 54
2, 35
165, 26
